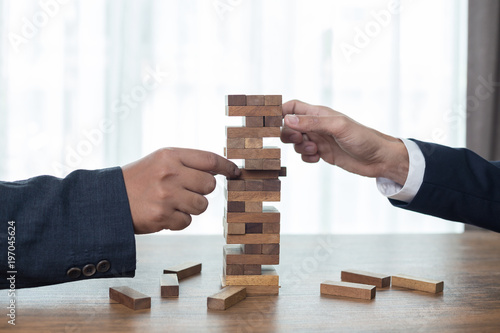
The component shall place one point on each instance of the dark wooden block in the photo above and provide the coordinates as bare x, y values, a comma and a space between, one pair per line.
253, 196
348, 289
271, 185
184, 270
254, 248
236, 206
236, 185
233, 254
269, 228
169, 285
130, 298
252, 269
255, 100
273, 121
234, 269
268, 214
375, 279
254, 121
238, 100
226, 298
259, 174
253, 228
254, 185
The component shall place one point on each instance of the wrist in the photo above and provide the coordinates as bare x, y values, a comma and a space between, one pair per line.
398, 162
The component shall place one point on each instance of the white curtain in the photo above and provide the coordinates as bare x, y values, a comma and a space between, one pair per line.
91, 84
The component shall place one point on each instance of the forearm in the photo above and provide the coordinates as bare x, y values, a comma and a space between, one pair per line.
68, 223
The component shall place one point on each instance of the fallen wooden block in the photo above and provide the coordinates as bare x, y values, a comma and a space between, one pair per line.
169, 285
184, 270
348, 289
374, 279
130, 298
415, 283
226, 298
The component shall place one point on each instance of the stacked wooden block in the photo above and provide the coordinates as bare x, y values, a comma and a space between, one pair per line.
252, 231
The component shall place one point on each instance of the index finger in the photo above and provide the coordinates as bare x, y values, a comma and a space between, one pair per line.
207, 161
299, 107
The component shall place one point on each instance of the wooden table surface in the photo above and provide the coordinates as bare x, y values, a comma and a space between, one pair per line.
468, 263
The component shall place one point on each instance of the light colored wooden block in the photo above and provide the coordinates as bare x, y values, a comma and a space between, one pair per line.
415, 283
236, 185
234, 228
235, 143
184, 270
267, 214
253, 207
270, 228
270, 249
247, 153
348, 289
255, 99
233, 254
269, 277
169, 285
271, 164
236, 100
254, 143
254, 111
253, 196
253, 132
374, 279
254, 164
273, 100
130, 298
226, 298
257, 290
253, 239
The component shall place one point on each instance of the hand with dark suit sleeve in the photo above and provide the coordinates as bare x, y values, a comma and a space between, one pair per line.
83, 226
457, 185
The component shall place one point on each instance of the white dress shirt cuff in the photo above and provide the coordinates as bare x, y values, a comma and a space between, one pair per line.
414, 180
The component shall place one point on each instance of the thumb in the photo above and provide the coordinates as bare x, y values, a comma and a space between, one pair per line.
307, 124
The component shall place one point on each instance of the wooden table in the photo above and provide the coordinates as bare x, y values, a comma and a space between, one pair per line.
468, 263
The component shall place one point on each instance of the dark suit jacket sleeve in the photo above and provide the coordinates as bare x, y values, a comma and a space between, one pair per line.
83, 219
458, 185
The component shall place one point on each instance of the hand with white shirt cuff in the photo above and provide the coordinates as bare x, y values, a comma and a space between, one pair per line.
319, 132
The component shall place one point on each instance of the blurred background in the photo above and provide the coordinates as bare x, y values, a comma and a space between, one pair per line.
94, 84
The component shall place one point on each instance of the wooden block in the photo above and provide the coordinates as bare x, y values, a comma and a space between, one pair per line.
255, 99
259, 174
253, 239
254, 111
169, 285
252, 132
257, 290
273, 121
271, 164
234, 228
270, 249
264, 153
271, 185
269, 277
233, 254
130, 298
236, 143
269, 228
236, 185
253, 164
415, 283
268, 214
253, 207
226, 298
254, 248
236, 100
253, 228
374, 279
253, 196
254, 122
233, 269
252, 270
184, 270
236, 206
282, 172
254, 185
348, 289
253, 143
272, 100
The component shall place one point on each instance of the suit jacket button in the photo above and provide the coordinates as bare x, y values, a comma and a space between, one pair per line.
74, 273
103, 266
88, 270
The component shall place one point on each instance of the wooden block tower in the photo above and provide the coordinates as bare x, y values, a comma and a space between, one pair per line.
252, 231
